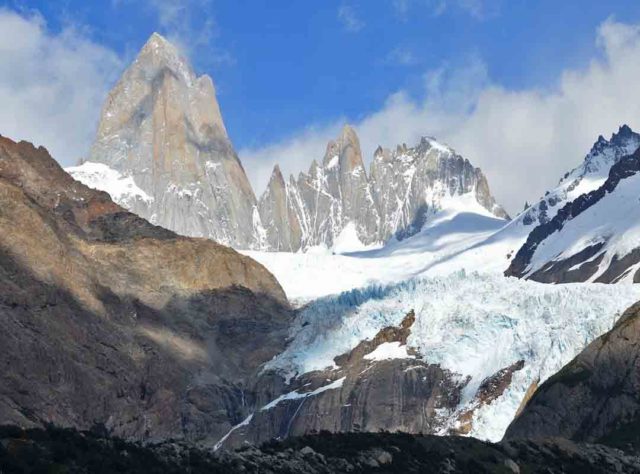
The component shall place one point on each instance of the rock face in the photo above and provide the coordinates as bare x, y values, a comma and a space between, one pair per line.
336, 201
594, 398
367, 391
108, 320
161, 126
592, 238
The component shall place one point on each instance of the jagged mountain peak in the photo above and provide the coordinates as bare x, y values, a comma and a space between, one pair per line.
160, 55
313, 169
625, 137
623, 132
349, 135
276, 177
344, 152
158, 43
162, 128
421, 149
587, 177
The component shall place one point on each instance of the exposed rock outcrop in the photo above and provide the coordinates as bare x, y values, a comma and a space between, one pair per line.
369, 390
161, 125
108, 320
594, 398
380, 385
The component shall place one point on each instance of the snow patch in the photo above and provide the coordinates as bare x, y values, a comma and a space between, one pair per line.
120, 187
389, 350
246, 422
297, 395
333, 162
463, 236
348, 241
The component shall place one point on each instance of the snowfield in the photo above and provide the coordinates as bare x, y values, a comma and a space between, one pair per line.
471, 324
463, 236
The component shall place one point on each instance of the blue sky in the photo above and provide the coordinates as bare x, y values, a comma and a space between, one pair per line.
289, 72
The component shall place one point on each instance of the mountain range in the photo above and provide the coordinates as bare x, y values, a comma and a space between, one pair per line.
163, 152
401, 298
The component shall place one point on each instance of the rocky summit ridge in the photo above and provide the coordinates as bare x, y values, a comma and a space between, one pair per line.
337, 201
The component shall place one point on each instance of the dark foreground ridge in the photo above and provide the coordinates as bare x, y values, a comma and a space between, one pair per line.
70, 451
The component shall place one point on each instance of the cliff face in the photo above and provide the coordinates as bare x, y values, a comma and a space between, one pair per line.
161, 125
594, 397
108, 320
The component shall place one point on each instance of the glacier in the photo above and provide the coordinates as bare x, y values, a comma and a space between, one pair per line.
469, 323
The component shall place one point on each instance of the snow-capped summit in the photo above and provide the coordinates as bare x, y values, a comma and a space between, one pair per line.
596, 236
161, 126
318, 206
588, 176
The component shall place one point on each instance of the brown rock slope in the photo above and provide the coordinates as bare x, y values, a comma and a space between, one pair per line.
594, 398
108, 320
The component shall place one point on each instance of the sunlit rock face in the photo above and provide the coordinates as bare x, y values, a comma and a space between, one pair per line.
162, 126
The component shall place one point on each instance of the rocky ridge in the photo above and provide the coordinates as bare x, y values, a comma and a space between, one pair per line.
594, 397
324, 453
593, 237
162, 151
107, 320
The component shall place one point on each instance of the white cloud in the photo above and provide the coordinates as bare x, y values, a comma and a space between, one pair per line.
524, 140
349, 18
52, 86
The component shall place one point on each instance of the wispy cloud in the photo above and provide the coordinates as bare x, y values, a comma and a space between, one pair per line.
52, 85
349, 18
479, 9
523, 139
189, 24
401, 57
